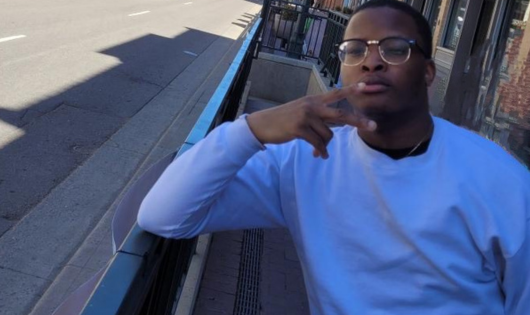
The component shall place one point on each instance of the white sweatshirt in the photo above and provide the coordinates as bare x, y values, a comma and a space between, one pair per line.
446, 232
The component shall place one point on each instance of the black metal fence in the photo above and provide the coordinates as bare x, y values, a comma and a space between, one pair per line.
146, 273
299, 31
335, 28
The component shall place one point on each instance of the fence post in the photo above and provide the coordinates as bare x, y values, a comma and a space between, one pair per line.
296, 41
265, 9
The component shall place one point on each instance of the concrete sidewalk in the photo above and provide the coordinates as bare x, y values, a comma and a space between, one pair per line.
281, 285
41, 260
225, 285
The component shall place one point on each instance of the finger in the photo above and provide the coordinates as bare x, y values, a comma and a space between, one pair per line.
341, 116
340, 94
322, 130
328, 114
309, 135
358, 121
333, 96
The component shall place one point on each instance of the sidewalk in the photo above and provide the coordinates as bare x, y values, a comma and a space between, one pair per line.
273, 283
281, 287
41, 259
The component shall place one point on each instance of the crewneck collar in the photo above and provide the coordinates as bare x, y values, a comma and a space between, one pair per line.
377, 159
398, 154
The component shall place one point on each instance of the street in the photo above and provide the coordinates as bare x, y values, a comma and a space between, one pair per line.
73, 72
86, 90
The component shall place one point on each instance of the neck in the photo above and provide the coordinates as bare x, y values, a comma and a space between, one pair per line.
398, 132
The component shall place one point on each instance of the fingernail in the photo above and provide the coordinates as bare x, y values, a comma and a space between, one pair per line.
361, 85
371, 125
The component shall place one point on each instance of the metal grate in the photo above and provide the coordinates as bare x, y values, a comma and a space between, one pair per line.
247, 294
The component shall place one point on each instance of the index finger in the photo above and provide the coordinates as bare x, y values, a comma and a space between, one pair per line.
358, 121
339, 94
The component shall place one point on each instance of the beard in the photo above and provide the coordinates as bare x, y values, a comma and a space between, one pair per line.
390, 107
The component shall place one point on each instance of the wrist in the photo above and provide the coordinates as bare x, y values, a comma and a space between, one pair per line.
252, 126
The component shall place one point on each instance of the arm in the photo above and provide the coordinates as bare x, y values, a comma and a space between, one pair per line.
224, 183
211, 187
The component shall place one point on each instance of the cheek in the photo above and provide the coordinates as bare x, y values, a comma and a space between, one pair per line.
411, 81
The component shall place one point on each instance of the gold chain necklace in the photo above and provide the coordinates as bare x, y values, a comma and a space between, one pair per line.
422, 139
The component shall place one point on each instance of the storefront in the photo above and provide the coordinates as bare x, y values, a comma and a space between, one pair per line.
482, 56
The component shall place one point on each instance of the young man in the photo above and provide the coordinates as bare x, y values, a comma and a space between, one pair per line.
397, 212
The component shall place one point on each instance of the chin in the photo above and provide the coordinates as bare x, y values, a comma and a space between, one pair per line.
374, 109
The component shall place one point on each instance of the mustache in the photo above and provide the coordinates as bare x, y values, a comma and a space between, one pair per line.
374, 79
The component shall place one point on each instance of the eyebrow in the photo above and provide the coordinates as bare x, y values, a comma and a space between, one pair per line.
389, 36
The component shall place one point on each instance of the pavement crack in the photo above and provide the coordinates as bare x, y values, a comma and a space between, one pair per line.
24, 114
23, 273
136, 79
116, 145
72, 105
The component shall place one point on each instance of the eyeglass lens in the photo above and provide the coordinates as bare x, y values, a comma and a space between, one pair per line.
392, 50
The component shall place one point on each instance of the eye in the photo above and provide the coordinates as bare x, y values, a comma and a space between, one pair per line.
396, 51
353, 49
356, 52
395, 47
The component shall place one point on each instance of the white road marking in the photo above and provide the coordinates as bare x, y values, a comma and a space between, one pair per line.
139, 13
188, 3
5, 39
190, 53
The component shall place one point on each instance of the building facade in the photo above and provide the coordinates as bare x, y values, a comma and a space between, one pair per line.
482, 54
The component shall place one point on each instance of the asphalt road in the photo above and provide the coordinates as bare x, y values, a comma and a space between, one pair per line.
73, 72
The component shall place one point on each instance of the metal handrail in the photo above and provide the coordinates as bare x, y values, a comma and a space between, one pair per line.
303, 32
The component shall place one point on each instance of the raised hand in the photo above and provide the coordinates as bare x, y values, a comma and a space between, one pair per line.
306, 119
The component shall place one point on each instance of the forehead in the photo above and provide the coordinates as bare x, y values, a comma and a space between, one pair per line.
378, 23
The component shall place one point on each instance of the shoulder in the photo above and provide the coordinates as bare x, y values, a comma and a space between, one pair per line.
470, 148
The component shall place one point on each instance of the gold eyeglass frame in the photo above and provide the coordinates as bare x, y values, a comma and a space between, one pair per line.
411, 42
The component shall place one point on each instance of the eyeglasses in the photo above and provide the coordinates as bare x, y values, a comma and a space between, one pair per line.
393, 50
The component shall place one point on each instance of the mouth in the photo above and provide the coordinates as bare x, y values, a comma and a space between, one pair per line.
374, 85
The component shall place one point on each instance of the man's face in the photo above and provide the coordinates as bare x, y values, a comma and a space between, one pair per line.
391, 89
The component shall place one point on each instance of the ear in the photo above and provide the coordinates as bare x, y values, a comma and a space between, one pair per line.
430, 72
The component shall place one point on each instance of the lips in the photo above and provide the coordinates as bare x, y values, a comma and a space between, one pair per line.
374, 84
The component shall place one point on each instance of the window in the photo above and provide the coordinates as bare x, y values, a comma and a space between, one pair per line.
432, 13
486, 15
456, 21
505, 106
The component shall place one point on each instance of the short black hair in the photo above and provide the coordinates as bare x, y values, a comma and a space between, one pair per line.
422, 25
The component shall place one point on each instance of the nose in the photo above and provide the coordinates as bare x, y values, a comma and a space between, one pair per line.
373, 62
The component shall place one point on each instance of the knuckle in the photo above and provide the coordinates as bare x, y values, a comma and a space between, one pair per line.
328, 137
305, 112
320, 143
311, 99
299, 125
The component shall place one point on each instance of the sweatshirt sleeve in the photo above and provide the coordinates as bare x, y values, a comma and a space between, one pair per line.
224, 182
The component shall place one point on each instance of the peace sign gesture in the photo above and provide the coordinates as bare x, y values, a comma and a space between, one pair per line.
306, 118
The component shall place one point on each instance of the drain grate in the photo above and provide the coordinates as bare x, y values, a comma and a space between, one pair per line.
247, 294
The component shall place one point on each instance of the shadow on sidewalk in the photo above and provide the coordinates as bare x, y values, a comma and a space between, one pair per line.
57, 135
